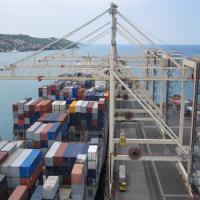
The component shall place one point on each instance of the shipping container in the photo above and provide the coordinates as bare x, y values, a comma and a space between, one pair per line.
50, 187
50, 154
20, 193
37, 195
15, 166
5, 166
30, 163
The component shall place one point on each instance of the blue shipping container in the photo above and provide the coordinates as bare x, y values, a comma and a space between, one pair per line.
30, 164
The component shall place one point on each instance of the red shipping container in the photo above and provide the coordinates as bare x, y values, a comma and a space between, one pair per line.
63, 118
43, 134
90, 106
20, 193
32, 107
101, 105
58, 158
26, 114
67, 180
57, 93
15, 107
41, 119
3, 156
21, 122
36, 145
29, 182
77, 174
94, 122
20, 117
53, 87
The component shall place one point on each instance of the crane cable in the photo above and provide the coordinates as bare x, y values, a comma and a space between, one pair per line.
63, 37
78, 41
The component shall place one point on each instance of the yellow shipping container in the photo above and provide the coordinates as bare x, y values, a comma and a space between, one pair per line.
72, 107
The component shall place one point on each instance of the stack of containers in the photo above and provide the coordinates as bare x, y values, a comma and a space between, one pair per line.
43, 106
86, 115
10, 147
27, 111
23, 167
30, 134
3, 187
18, 116
51, 91
50, 188
30, 114
92, 164
20, 193
78, 181
61, 157
59, 106
101, 113
63, 119
37, 195
43, 135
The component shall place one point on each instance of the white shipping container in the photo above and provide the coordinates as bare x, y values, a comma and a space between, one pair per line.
50, 187
78, 106
38, 131
92, 164
84, 107
93, 152
95, 108
15, 166
9, 161
64, 193
13, 182
50, 154
3, 143
26, 106
10, 147
30, 131
20, 144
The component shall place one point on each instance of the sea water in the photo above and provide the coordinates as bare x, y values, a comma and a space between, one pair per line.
14, 90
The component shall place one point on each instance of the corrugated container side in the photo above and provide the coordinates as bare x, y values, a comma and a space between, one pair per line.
3, 156
50, 154
3, 143
10, 147
15, 166
37, 195
30, 164
59, 155
9, 161
77, 174
20, 193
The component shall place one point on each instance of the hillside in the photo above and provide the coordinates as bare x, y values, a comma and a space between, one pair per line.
27, 43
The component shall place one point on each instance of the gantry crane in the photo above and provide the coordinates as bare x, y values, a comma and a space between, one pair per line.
142, 71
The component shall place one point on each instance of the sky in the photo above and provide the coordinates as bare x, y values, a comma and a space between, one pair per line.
172, 21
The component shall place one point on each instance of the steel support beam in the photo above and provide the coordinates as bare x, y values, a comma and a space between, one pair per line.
123, 119
182, 112
145, 141
113, 10
163, 158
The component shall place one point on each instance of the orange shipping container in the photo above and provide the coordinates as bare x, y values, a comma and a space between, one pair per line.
77, 174
106, 95
36, 144
58, 158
